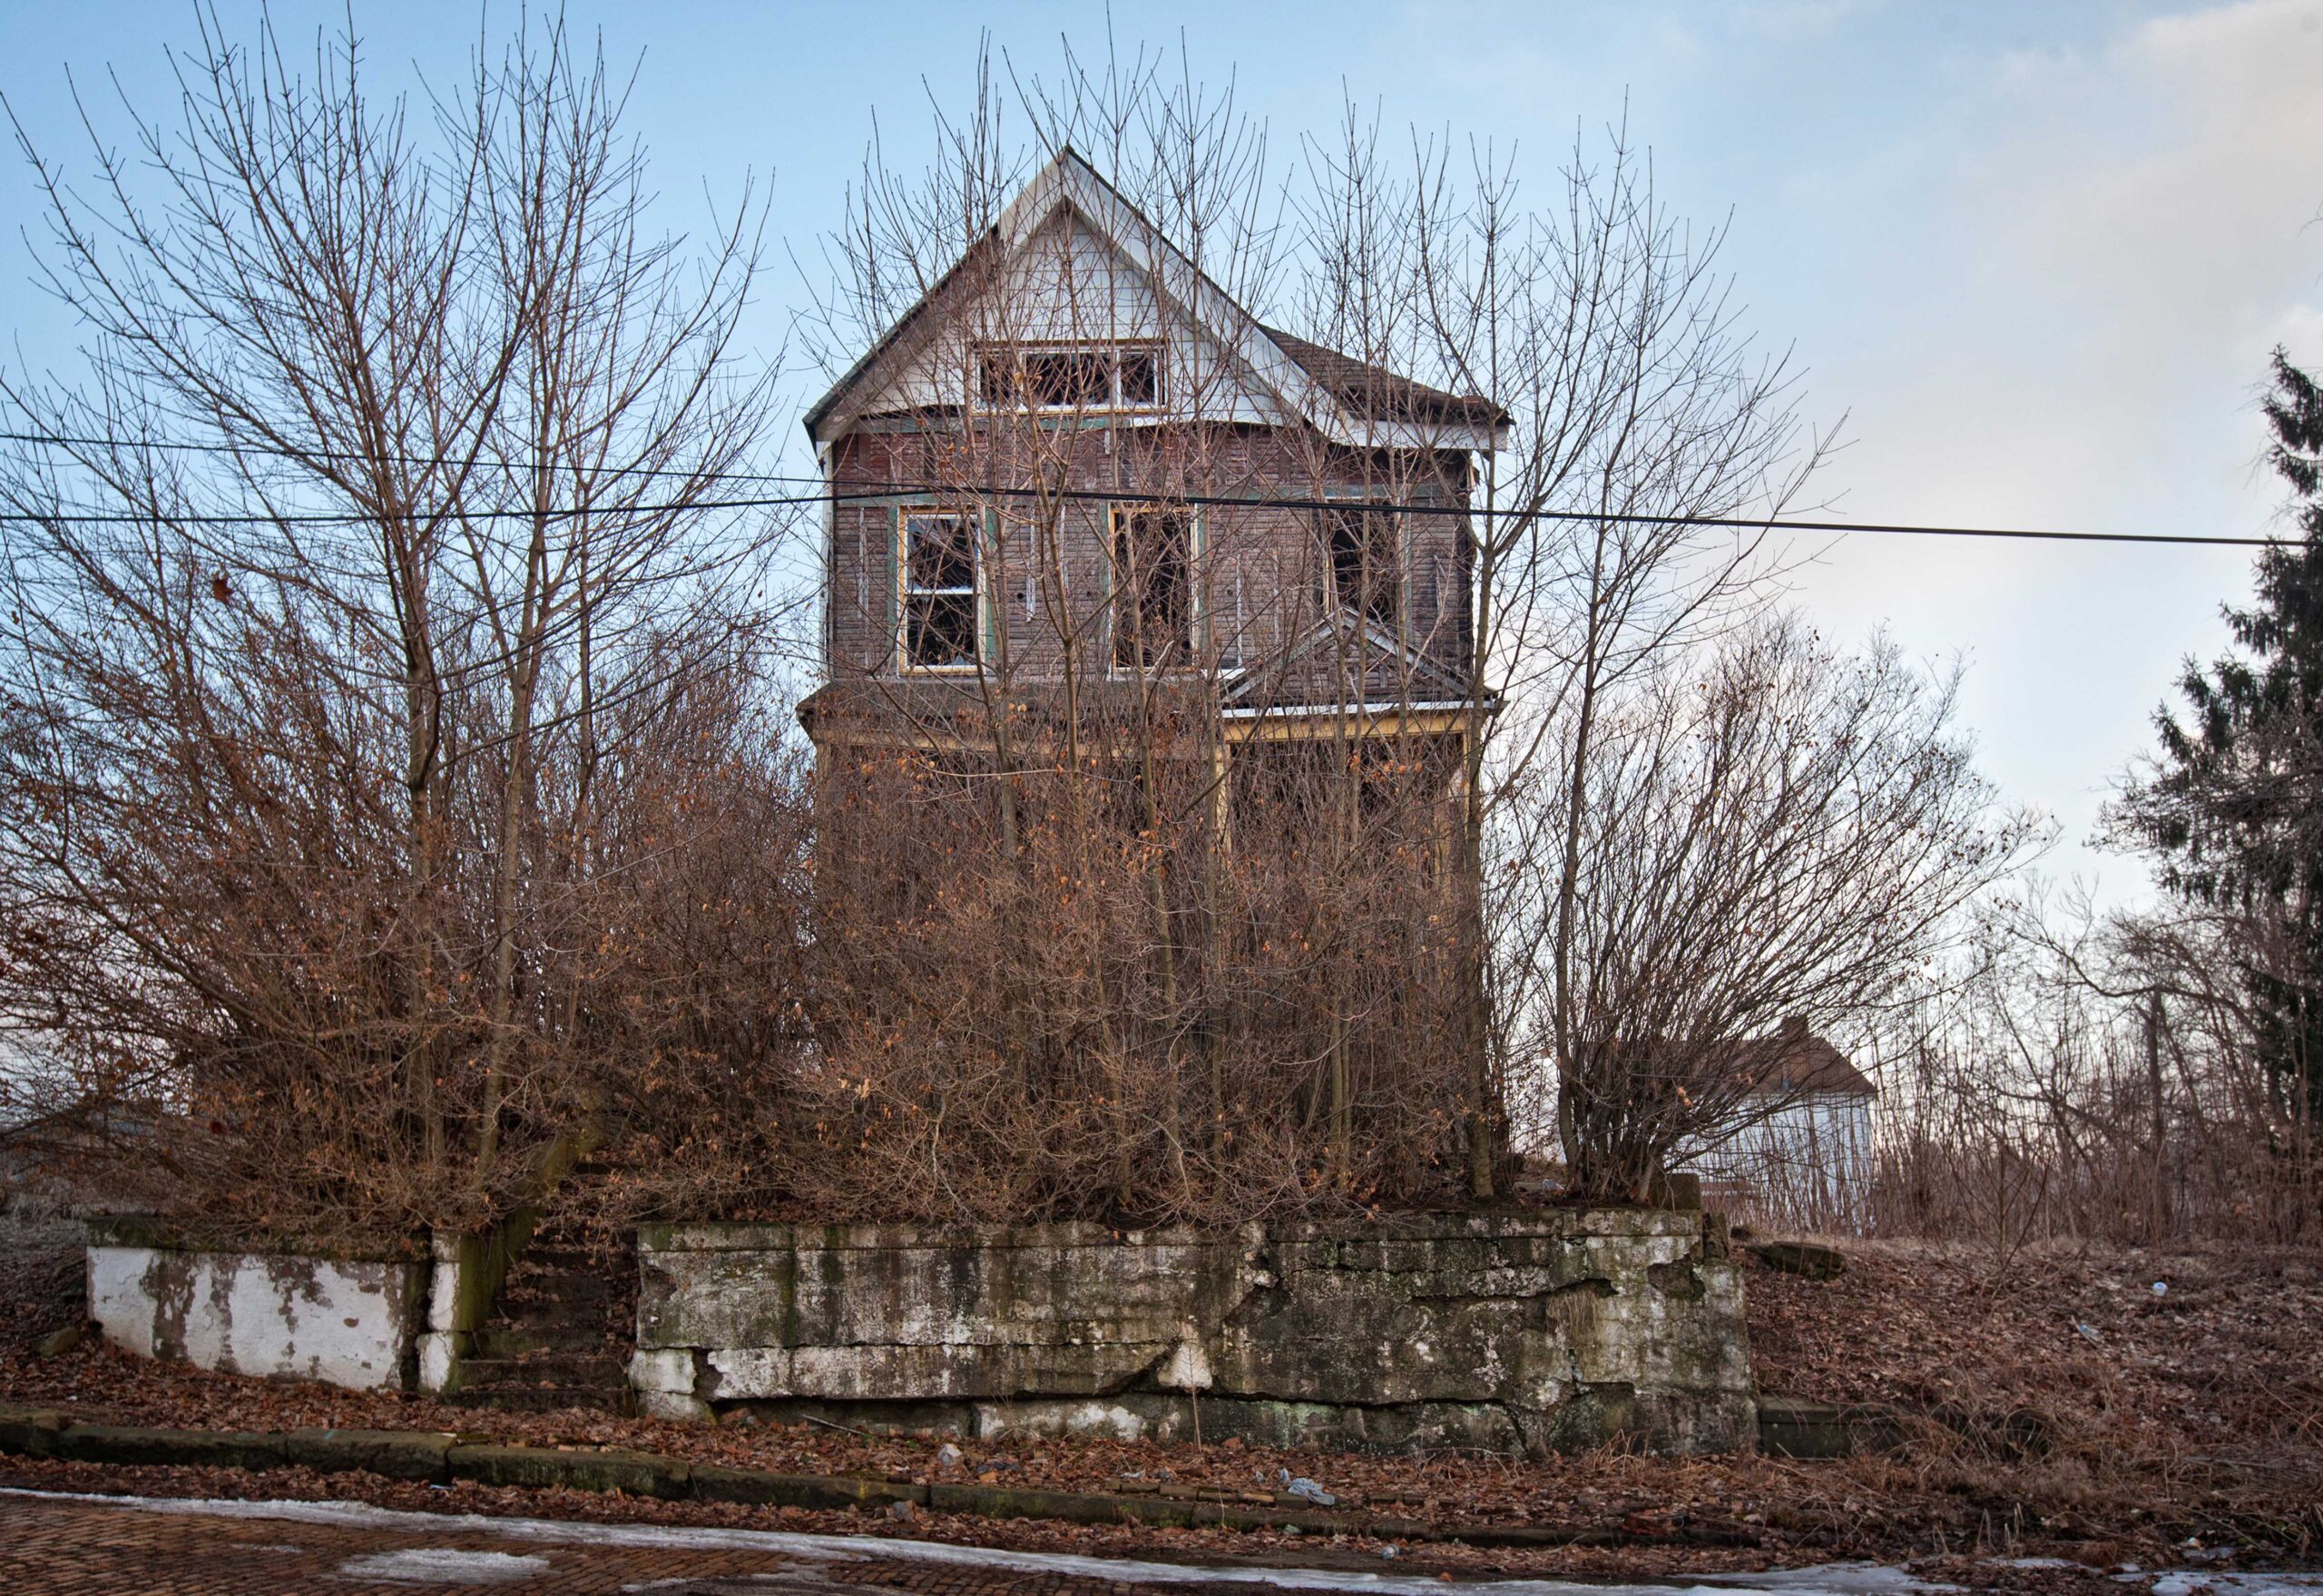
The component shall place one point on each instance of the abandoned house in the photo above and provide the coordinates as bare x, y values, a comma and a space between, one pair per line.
1078, 494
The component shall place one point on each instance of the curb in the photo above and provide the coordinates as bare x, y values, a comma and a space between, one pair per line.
439, 1458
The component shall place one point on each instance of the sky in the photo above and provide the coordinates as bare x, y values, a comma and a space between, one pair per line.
2033, 257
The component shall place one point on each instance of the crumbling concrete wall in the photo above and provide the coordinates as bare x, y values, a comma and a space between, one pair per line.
351, 1321
1515, 1333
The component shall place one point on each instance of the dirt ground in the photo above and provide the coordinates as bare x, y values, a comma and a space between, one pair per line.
2056, 1407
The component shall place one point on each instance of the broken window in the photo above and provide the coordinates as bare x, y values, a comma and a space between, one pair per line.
1153, 606
1359, 546
939, 589
1140, 376
1111, 377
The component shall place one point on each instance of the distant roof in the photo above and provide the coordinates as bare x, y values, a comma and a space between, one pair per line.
1377, 392
1796, 1061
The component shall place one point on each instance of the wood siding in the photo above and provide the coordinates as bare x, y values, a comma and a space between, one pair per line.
1259, 571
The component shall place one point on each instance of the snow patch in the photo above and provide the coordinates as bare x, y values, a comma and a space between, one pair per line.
2188, 1581
441, 1565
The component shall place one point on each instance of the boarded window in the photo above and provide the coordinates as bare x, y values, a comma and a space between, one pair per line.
1359, 546
1153, 604
939, 619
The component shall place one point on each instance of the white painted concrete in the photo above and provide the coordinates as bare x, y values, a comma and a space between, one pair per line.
347, 1322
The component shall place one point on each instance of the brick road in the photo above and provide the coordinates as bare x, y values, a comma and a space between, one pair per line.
70, 1545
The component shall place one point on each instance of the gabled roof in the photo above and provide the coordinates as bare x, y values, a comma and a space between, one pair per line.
1792, 1061
1390, 671
1346, 399
1377, 392
907, 333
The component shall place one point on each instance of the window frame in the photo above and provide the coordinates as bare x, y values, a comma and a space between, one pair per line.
1111, 350
1116, 514
1333, 514
971, 522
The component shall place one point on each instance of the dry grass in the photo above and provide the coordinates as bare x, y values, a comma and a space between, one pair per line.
2057, 1381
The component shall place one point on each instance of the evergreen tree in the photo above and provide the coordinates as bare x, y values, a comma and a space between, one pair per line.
2233, 810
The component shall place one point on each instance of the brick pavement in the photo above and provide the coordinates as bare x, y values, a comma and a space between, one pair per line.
50, 1544
55, 1545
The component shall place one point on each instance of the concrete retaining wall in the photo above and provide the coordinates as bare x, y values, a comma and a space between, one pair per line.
1516, 1334
347, 1320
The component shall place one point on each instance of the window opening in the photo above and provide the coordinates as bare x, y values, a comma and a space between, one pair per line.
1360, 544
939, 589
1141, 377
1046, 377
1154, 610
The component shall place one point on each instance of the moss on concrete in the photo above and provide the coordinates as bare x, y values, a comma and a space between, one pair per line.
1514, 1332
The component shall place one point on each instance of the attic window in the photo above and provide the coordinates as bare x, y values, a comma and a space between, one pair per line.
1139, 374
939, 590
1049, 377
1360, 542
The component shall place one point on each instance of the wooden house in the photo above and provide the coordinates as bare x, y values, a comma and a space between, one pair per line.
1077, 491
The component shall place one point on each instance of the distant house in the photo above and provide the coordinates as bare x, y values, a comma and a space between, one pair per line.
1797, 1150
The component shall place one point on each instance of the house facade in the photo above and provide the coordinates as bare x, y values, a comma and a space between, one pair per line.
1078, 492
1796, 1150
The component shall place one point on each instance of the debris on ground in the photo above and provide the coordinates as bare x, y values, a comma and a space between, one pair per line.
1307, 1490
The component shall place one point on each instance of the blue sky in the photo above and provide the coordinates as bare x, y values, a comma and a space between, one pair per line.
2036, 255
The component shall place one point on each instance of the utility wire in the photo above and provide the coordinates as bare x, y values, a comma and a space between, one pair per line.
874, 490
165, 446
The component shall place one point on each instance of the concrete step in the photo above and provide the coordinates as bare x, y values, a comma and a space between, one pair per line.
524, 1289
551, 1259
580, 1334
544, 1368
558, 1333
543, 1398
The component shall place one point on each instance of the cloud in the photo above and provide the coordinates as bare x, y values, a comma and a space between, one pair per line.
1795, 21
2066, 327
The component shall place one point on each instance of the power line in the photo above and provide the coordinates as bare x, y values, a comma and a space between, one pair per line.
165, 446
875, 490
1607, 517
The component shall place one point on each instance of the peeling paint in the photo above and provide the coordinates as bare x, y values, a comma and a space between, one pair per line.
351, 1321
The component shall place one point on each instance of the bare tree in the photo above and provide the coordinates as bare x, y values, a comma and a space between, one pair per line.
1619, 524
1779, 838
1247, 756
1209, 936
1626, 526
350, 585
2072, 1074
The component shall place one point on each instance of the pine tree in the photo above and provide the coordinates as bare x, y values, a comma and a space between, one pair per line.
2233, 810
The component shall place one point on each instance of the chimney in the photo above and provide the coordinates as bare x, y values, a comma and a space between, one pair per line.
1794, 1028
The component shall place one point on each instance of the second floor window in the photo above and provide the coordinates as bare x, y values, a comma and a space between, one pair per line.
1057, 377
1364, 570
1153, 595
939, 590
